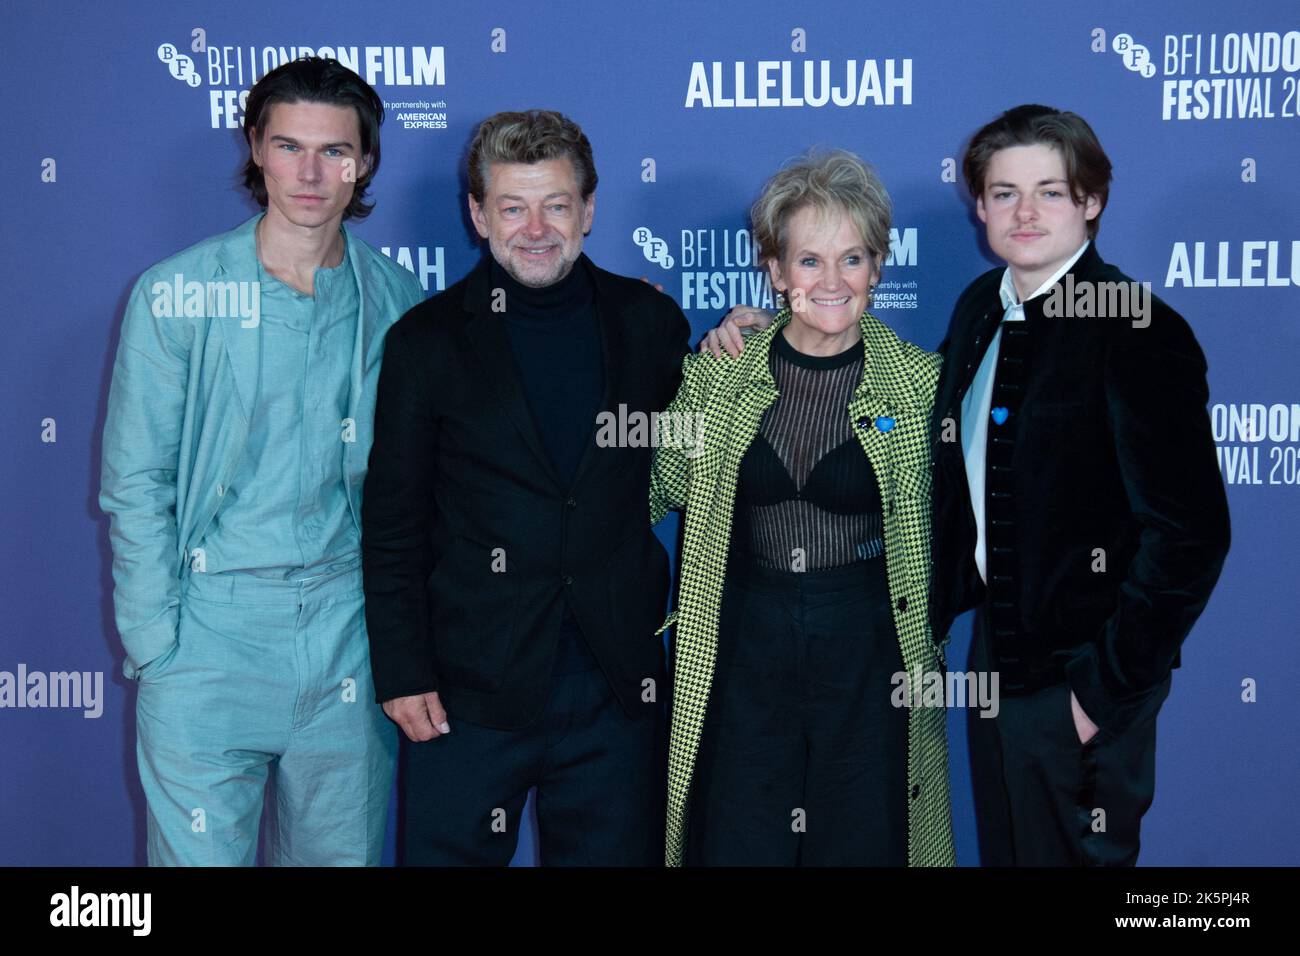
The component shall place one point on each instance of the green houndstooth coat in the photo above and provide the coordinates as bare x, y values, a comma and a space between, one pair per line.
697, 472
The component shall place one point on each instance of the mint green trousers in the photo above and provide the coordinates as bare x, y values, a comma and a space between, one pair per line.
266, 699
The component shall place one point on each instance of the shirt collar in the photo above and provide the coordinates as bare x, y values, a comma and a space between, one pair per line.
1015, 309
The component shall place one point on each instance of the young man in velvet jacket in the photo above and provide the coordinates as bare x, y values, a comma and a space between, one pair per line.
1077, 501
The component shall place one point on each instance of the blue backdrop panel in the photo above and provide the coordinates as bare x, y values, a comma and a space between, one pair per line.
120, 151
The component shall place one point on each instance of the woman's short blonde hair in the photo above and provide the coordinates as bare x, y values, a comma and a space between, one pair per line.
829, 181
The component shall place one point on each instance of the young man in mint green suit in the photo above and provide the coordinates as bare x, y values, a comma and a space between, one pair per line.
236, 444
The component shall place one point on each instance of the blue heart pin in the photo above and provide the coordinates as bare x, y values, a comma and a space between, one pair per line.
884, 423
999, 414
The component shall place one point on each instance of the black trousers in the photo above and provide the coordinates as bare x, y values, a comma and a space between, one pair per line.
600, 778
1042, 798
803, 759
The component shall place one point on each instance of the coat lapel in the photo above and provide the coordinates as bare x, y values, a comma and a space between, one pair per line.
742, 406
880, 403
875, 421
891, 422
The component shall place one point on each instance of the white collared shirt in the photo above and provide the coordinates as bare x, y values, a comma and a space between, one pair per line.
975, 403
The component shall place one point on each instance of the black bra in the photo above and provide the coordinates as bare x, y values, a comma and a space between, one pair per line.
842, 482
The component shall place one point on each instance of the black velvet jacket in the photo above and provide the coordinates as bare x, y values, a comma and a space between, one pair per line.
471, 543
1107, 446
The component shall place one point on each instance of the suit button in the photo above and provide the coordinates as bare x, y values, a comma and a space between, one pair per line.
568, 579
916, 790
571, 502
902, 604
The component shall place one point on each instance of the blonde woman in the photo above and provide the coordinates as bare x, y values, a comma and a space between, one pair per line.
805, 569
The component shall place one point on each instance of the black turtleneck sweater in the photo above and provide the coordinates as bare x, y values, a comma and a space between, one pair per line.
556, 344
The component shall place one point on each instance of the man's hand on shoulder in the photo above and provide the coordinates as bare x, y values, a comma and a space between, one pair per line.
728, 334
420, 716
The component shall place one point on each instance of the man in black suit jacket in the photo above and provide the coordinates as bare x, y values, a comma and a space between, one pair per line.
1077, 501
513, 584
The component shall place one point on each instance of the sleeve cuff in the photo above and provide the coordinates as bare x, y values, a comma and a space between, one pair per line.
146, 644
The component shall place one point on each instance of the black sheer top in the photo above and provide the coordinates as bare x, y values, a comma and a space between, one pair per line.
807, 497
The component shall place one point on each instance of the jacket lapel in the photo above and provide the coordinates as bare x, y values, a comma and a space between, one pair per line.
372, 297
970, 350
237, 262
615, 353
486, 332
967, 347
367, 352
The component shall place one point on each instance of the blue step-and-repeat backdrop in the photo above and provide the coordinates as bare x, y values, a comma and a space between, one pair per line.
123, 145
